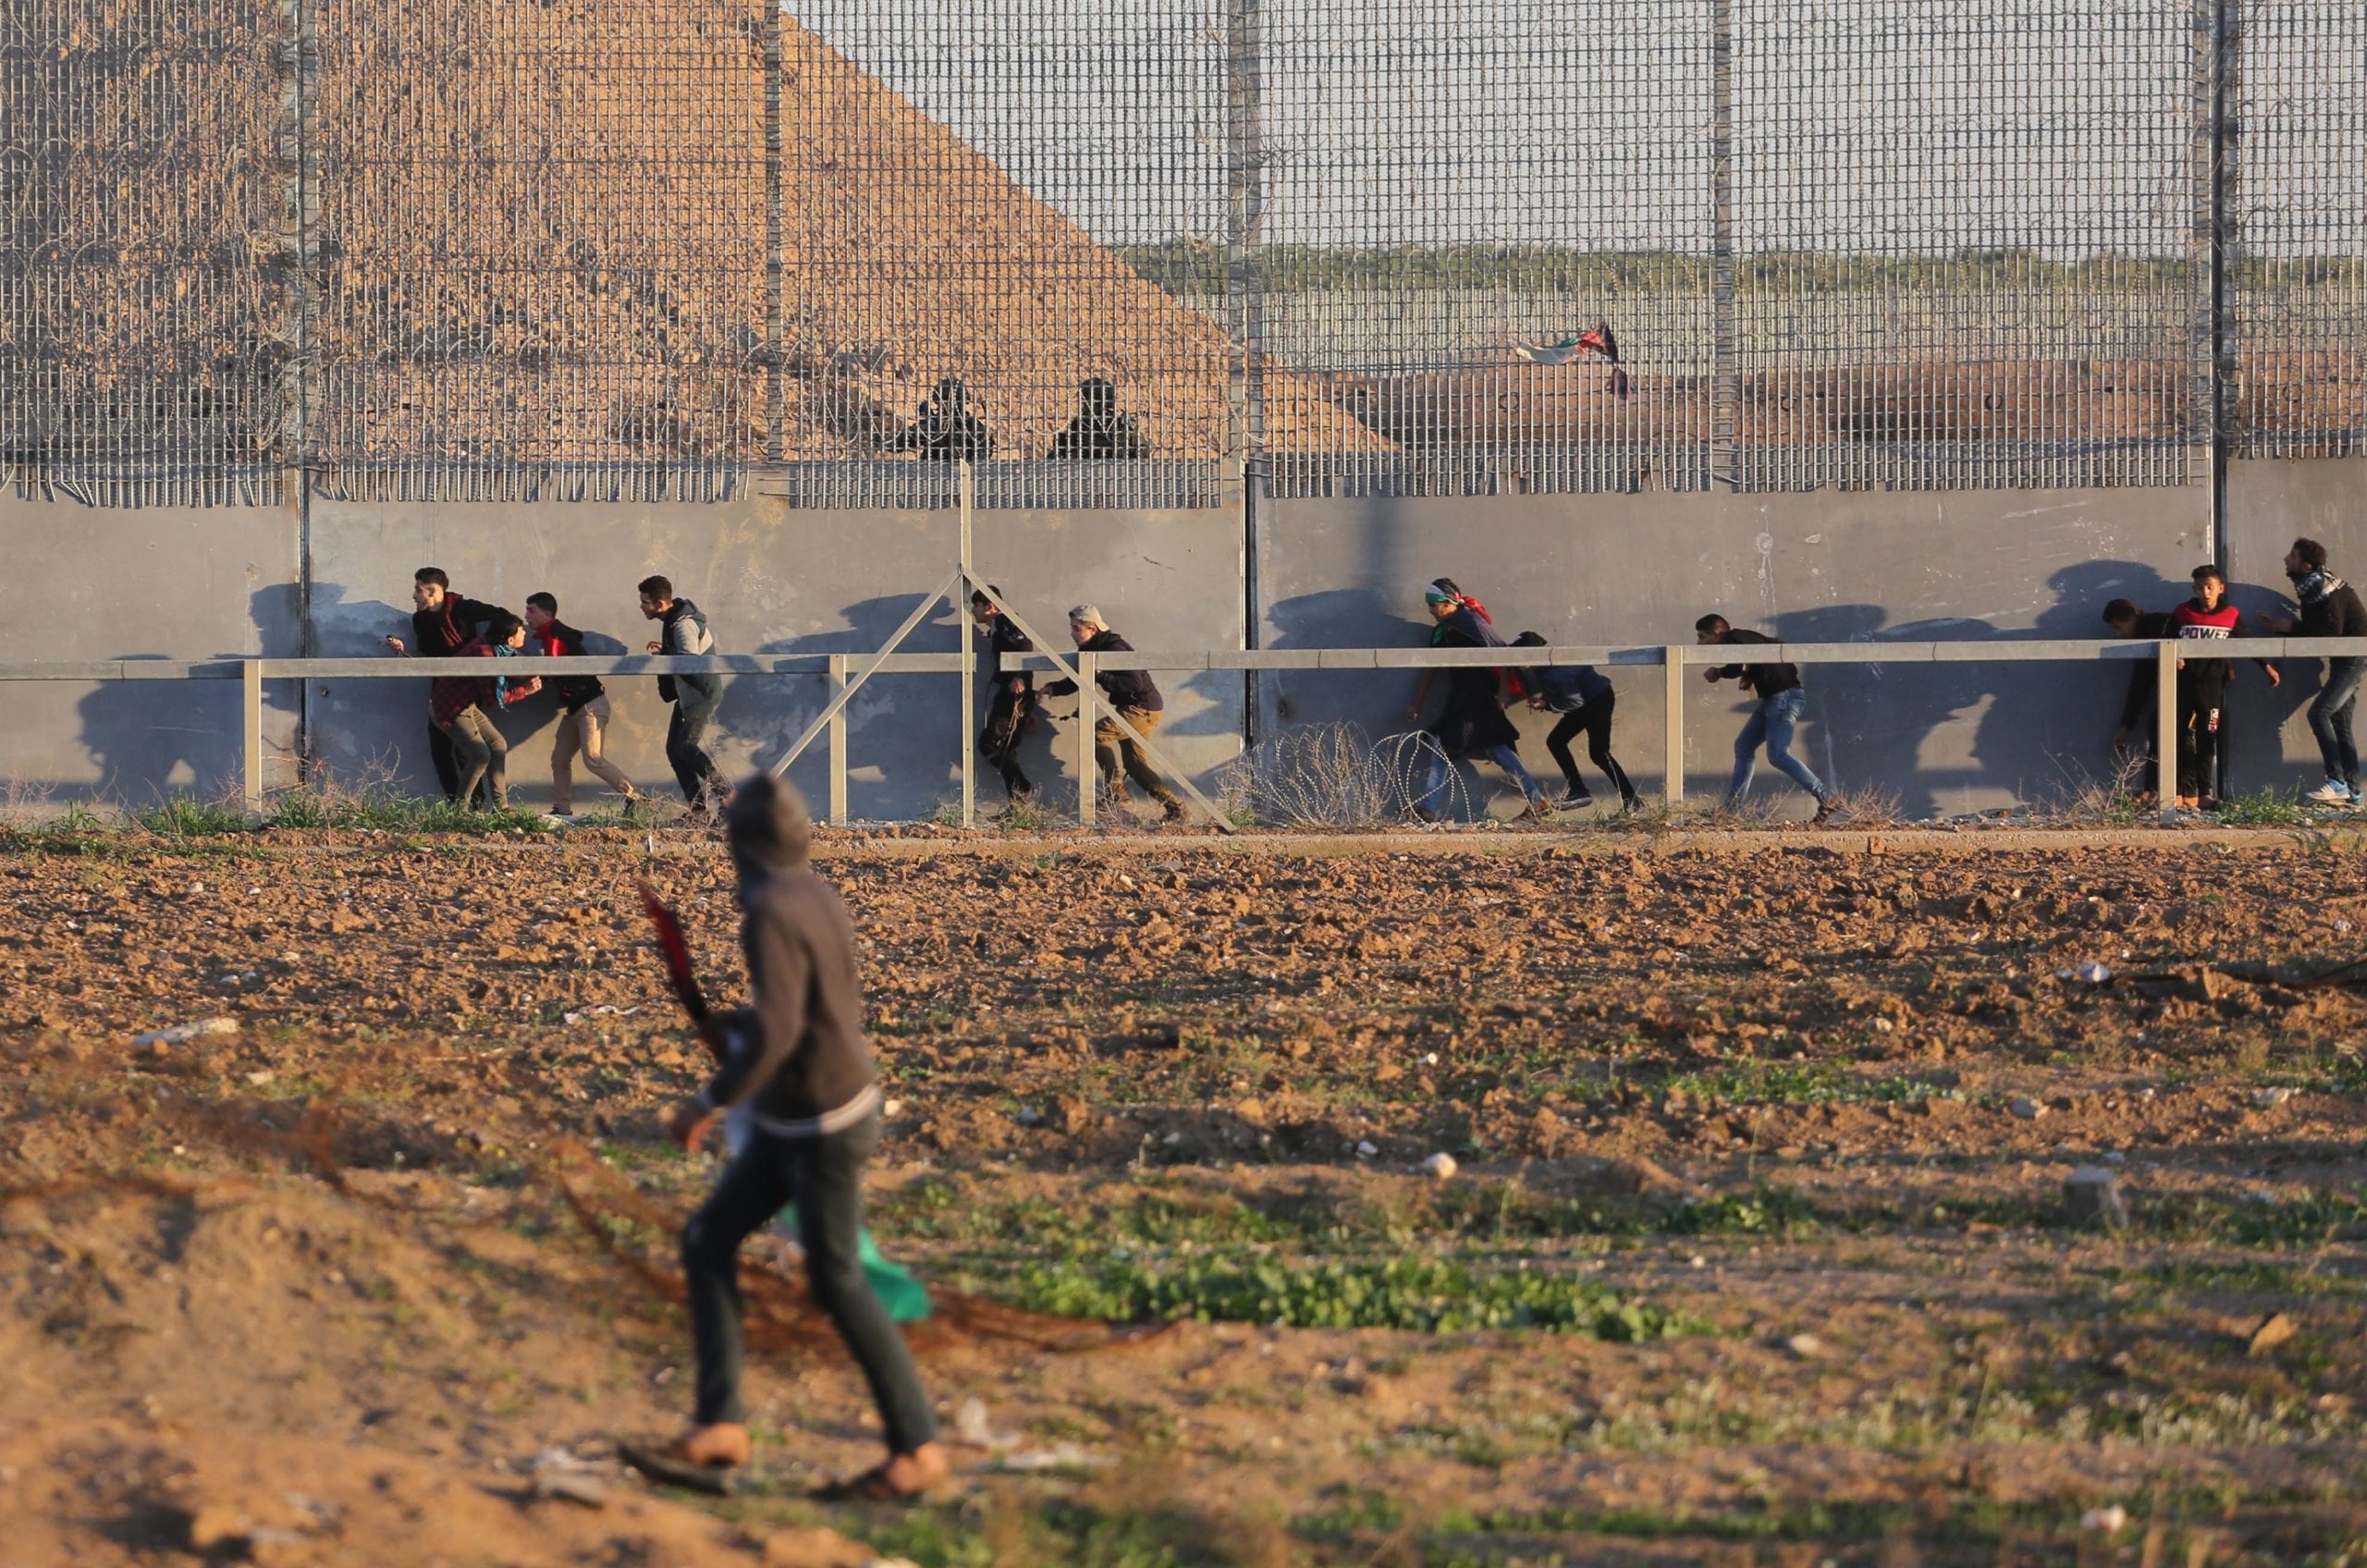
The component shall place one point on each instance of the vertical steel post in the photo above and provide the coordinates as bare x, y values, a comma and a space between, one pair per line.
1088, 782
2227, 53
2165, 732
295, 156
251, 733
1673, 759
839, 663
1726, 353
969, 654
775, 272
1245, 305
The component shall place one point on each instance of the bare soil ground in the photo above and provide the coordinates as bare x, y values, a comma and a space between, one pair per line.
1756, 1252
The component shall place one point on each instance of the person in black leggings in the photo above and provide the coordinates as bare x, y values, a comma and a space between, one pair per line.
1583, 699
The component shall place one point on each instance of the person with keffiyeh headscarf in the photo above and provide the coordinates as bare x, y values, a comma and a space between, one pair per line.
1473, 722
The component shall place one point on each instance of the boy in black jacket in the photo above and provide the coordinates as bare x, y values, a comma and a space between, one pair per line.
442, 623
2330, 607
1135, 697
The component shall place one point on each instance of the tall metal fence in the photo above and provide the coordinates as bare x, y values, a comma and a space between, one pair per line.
1128, 252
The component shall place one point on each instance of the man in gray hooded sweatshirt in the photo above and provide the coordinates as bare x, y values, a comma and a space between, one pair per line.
798, 1055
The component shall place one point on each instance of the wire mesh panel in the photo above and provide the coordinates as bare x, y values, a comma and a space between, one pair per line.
1964, 243
140, 318
996, 217
2298, 188
543, 233
1486, 234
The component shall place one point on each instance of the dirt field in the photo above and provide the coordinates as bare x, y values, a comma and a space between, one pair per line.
1757, 1253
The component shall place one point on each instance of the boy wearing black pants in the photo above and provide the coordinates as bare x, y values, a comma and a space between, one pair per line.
1010, 702
2202, 690
1583, 699
798, 1058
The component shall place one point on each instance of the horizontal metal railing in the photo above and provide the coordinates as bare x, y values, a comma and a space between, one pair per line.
837, 667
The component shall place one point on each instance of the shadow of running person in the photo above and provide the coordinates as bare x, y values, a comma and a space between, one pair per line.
2047, 731
151, 740
900, 732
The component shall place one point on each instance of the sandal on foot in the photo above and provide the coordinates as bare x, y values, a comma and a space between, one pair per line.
665, 1464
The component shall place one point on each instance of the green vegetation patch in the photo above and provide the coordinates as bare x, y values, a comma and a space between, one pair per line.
1425, 1294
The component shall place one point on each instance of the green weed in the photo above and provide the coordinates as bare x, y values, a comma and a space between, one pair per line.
2267, 808
1426, 1295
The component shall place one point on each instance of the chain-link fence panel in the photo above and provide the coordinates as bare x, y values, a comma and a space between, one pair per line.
1966, 243
2296, 188
1001, 223
1487, 236
142, 323
542, 231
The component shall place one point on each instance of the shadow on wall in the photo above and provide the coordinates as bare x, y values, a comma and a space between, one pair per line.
150, 740
2059, 741
900, 736
1344, 617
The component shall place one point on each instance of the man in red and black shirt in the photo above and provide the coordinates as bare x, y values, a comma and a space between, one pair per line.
2202, 689
442, 623
584, 710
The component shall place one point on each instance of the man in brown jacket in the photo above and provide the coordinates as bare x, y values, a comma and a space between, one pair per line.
798, 1055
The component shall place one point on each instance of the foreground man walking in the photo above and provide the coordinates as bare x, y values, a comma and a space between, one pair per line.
798, 1054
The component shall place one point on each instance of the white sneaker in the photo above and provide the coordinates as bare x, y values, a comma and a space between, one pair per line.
2332, 792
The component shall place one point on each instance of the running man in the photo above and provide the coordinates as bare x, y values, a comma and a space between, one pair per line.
1584, 698
584, 711
1773, 722
442, 624
1134, 697
682, 630
2330, 607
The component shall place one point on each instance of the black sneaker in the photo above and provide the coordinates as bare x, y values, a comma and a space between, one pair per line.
562, 811
1573, 800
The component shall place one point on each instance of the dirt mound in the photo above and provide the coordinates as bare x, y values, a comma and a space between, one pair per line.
543, 233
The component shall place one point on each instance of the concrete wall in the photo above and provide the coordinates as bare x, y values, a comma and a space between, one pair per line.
1826, 567
773, 579
95, 583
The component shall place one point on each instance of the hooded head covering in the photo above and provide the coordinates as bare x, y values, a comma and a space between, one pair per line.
1087, 616
768, 830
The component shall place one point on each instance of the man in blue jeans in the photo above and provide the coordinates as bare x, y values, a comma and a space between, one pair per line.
1780, 698
2330, 607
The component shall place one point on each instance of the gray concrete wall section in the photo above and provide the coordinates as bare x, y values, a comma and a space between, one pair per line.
2269, 503
1825, 567
96, 584
1620, 570
772, 580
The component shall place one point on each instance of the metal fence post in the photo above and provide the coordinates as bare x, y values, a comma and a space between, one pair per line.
1244, 283
1087, 778
960, 599
776, 271
839, 742
2165, 732
1725, 378
1672, 682
251, 733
